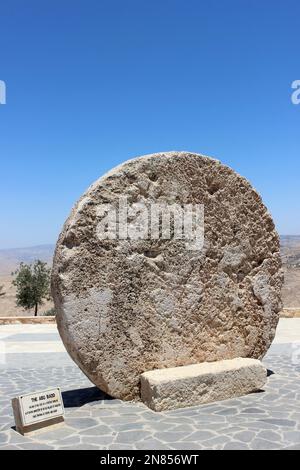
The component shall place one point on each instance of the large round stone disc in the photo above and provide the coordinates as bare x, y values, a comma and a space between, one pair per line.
125, 306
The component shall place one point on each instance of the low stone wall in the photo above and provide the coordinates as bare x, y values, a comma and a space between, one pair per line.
285, 313
27, 320
290, 313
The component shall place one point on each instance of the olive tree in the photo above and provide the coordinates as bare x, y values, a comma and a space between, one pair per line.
33, 285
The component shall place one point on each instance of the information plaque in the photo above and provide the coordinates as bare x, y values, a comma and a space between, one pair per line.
38, 410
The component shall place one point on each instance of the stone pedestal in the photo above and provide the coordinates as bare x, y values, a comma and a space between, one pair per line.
178, 387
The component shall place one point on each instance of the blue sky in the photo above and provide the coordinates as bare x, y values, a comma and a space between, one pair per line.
93, 83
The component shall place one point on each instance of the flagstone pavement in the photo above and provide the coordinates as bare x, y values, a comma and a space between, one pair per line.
33, 358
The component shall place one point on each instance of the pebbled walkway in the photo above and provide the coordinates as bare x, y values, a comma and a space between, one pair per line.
265, 420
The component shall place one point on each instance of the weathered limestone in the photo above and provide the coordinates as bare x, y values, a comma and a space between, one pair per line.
178, 387
128, 306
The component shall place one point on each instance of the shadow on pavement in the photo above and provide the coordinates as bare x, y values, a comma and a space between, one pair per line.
81, 396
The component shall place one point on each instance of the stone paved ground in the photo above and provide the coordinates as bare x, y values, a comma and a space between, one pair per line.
32, 358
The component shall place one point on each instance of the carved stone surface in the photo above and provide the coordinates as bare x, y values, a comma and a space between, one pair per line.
128, 306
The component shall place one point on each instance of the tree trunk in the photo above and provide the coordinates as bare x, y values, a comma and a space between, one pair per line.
35, 310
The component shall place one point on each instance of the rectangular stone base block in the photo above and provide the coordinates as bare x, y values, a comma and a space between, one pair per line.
179, 387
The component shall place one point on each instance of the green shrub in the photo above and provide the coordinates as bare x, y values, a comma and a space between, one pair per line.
50, 312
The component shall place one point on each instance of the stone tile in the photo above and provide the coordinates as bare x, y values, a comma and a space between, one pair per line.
235, 445
111, 421
232, 403
278, 414
59, 433
101, 413
72, 441
239, 420
82, 447
263, 444
279, 422
199, 436
81, 423
151, 444
230, 429
253, 411
16, 438
260, 425
9, 447
219, 440
244, 436
3, 438
186, 446
99, 430
35, 446
118, 447
133, 409
184, 412
291, 436
211, 418
6, 428
187, 428
97, 440
181, 420
269, 435
131, 437
170, 436
108, 403
228, 412
151, 416
129, 427
159, 426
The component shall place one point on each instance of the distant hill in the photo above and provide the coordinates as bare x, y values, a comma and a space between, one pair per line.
11, 258
290, 251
